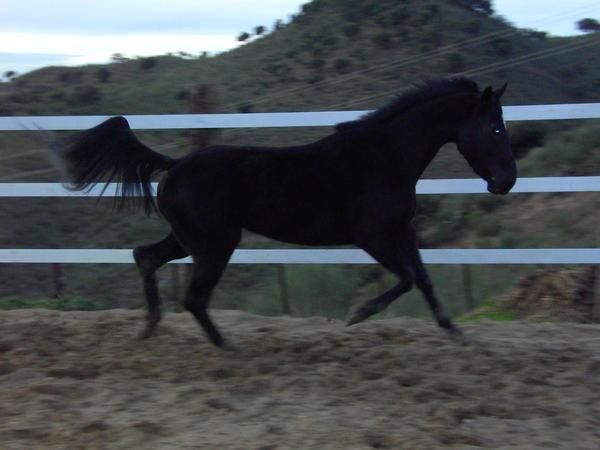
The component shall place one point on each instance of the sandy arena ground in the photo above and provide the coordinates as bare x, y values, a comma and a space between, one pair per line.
81, 380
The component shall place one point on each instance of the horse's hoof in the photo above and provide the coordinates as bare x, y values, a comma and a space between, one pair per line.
358, 316
147, 331
229, 347
458, 337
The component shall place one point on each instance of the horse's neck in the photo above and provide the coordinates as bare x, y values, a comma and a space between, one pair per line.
431, 128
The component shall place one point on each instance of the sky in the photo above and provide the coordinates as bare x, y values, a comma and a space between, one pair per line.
37, 33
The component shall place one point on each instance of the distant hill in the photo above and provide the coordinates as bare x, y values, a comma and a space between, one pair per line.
333, 55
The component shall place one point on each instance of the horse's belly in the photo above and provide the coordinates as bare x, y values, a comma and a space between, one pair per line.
322, 229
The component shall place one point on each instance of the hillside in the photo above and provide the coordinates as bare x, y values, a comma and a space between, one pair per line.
333, 55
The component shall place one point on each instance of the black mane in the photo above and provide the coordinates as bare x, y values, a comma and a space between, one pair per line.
412, 97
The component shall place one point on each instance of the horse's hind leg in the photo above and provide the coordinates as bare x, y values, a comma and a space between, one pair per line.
148, 259
209, 265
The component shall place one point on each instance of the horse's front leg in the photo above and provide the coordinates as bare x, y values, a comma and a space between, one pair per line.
400, 255
424, 284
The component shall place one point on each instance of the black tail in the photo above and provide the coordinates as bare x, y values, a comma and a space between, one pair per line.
110, 152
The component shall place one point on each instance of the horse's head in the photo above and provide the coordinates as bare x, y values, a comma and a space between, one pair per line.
483, 141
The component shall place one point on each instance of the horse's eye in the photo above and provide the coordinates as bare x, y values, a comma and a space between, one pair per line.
497, 130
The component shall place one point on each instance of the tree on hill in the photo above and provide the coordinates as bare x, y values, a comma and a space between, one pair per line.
243, 37
480, 6
588, 25
103, 75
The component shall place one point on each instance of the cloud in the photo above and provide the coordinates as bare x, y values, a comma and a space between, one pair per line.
136, 44
24, 62
92, 31
136, 16
23, 52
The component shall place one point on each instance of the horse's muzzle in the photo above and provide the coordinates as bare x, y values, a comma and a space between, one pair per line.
500, 187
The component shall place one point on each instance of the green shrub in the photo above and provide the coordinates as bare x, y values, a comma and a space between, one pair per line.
315, 78
525, 136
245, 108
103, 75
320, 289
351, 30
399, 16
455, 62
342, 65
147, 63
383, 40
502, 46
62, 303
484, 224
572, 152
85, 95
329, 40
70, 77
473, 27
317, 63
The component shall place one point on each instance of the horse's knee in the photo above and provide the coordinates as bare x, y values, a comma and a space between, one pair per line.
422, 281
140, 259
424, 284
407, 277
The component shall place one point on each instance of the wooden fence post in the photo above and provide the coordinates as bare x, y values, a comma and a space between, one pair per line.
58, 283
283, 290
596, 287
469, 303
174, 297
596, 295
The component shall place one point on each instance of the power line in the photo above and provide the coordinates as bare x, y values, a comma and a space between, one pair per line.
519, 60
404, 61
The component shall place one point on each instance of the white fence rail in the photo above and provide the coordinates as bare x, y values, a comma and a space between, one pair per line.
307, 256
442, 186
271, 120
317, 256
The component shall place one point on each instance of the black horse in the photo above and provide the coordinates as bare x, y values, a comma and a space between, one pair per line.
355, 186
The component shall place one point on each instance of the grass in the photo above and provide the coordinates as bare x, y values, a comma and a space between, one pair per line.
574, 152
489, 310
61, 304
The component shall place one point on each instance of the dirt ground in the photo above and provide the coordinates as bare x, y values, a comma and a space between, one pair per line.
81, 380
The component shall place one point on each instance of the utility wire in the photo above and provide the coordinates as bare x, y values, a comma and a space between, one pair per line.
405, 61
519, 60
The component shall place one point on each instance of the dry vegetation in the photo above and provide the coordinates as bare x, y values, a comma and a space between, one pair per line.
82, 381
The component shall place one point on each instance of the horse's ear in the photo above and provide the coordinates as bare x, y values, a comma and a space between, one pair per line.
485, 102
487, 94
499, 93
